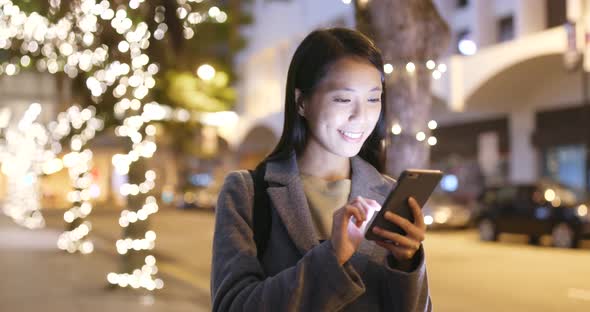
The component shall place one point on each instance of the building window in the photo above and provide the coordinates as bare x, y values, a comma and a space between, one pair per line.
567, 165
462, 3
506, 28
556, 13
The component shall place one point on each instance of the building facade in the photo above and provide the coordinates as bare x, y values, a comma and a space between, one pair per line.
511, 105
516, 80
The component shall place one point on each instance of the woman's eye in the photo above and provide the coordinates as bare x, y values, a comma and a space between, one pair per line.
375, 100
341, 100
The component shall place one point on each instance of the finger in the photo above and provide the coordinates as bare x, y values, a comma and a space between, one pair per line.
391, 246
417, 212
397, 239
410, 228
356, 212
398, 251
357, 202
358, 205
363, 202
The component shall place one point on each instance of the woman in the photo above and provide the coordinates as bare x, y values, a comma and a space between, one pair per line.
323, 179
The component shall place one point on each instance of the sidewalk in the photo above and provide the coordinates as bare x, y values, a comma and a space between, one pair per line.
183, 244
36, 276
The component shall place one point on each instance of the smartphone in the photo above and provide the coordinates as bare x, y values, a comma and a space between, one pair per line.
416, 183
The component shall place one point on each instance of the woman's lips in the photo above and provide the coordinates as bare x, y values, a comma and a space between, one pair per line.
349, 136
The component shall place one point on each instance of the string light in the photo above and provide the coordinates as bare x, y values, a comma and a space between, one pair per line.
139, 277
388, 68
128, 217
430, 64
136, 118
61, 52
432, 141
136, 126
206, 72
420, 136
78, 162
54, 48
432, 125
22, 158
396, 129
410, 67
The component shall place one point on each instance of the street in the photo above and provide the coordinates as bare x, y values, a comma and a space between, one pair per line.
468, 275
464, 273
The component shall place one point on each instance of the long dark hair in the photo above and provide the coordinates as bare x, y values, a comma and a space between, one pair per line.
309, 65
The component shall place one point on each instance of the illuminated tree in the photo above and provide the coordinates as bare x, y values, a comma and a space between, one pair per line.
411, 35
123, 56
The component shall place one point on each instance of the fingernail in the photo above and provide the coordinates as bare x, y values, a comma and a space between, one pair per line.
388, 214
376, 229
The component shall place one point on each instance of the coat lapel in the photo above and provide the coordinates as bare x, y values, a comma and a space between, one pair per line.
288, 198
367, 181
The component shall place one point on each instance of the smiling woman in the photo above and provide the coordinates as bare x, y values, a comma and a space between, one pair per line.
343, 110
335, 72
288, 236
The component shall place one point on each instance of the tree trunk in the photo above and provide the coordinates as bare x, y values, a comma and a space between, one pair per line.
405, 31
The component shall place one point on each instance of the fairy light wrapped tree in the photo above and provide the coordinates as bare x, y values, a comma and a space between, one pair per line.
123, 57
411, 36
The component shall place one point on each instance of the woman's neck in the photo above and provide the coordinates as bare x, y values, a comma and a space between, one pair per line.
320, 163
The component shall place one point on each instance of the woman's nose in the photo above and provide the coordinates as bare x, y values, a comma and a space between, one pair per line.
358, 111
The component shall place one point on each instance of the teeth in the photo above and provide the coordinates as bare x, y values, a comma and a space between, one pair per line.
352, 135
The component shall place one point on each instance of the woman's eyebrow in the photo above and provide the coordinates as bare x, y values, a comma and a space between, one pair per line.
353, 90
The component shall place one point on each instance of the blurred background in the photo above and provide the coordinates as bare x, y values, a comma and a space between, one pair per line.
119, 120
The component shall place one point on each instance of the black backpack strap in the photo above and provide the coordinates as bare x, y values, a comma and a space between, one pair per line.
261, 214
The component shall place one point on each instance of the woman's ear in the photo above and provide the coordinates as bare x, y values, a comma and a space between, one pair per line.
300, 103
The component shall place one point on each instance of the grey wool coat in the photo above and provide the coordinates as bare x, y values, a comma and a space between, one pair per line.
297, 272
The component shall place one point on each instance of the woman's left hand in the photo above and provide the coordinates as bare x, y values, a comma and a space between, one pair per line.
404, 247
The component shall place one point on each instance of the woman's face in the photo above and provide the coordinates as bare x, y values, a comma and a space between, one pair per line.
344, 108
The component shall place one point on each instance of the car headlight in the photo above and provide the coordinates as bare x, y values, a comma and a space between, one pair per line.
442, 215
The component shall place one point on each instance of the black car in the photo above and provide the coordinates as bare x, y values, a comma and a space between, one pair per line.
535, 210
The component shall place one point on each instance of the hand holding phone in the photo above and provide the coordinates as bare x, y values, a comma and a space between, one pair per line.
415, 183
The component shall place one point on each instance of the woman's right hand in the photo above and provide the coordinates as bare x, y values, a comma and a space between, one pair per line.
346, 235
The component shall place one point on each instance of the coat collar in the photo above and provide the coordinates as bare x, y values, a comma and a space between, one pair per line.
286, 193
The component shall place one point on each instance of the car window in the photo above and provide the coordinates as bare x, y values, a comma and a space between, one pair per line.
568, 197
489, 197
523, 201
506, 195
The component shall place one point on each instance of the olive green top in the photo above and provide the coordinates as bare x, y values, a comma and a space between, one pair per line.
324, 197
